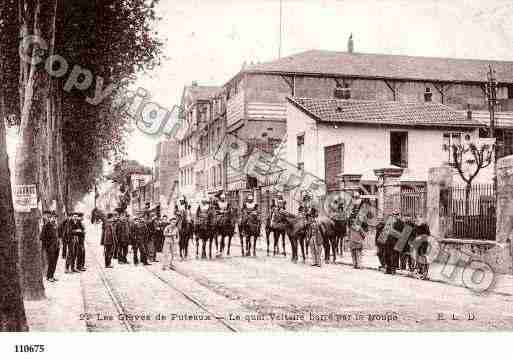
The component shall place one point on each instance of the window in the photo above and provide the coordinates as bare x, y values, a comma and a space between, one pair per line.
342, 92
510, 91
300, 149
399, 149
450, 139
428, 95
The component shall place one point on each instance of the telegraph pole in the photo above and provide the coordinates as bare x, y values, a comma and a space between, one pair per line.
279, 44
491, 94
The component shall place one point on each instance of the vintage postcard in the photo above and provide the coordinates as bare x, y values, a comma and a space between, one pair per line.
255, 166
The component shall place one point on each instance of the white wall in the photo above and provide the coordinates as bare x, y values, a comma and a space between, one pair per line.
365, 147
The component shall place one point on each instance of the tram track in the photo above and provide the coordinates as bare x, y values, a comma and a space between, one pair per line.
116, 301
219, 318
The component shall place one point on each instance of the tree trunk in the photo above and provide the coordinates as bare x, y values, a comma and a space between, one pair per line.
468, 187
26, 173
12, 311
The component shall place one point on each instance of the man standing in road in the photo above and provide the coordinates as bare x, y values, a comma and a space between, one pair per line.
140, 238
50, 243
63, 228
81, 245
123, 237
170, 240
108, 240
310, 212
357, 229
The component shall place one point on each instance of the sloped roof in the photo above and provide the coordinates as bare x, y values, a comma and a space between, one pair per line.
203, 92
387, 66
383, 113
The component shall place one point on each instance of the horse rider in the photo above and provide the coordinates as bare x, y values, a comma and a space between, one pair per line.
308, 210
203, 211
249, 206
181, 205
222, 204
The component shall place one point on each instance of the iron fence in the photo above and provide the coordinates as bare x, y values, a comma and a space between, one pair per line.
471, 212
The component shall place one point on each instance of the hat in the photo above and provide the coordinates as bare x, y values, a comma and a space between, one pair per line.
50, 213
119, 210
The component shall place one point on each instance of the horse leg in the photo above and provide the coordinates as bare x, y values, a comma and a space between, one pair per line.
255, 237
197, 246
210, 240
241, 237
267, 233
326, 245
334, 248
276, 239
302, 244
204, 248
248, 245
282, 235
229, 245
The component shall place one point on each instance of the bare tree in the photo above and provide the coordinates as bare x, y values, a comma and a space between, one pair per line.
480, 157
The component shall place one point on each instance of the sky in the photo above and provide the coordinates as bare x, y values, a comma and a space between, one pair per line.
208, 41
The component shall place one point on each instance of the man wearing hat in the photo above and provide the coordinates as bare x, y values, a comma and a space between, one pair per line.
358, 227
393, 226
50, 243
310, 212
74, 232
81, 245
123, 237
63, 235
140, 239
108, 240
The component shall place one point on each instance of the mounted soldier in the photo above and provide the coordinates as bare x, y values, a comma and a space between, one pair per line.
250, 224
185, 225
224, 222
337, 212
204, 222
308, 210
277, 204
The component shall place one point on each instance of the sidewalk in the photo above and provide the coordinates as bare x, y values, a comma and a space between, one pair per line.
438, 272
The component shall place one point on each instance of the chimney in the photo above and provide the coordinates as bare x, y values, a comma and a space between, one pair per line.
469, 113
350, 44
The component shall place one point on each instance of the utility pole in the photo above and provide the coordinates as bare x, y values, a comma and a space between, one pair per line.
491, 94
281, 13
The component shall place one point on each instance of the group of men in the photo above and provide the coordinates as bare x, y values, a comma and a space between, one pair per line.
145, 235
403, 244
71, 234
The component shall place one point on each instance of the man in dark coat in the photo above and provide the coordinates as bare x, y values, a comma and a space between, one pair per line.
396, 225
141, 236
50, 244
380, 246
81, 245
123, 237
74, 234
62, 231
108, 240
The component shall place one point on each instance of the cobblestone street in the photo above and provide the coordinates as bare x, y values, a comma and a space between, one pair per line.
263, 293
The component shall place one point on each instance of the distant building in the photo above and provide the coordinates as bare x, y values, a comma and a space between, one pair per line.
166, 173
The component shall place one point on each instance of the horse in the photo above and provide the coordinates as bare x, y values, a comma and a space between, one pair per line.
185, 230
204, 228
249, 228
294, 226
332, 231
277, 233
225, 227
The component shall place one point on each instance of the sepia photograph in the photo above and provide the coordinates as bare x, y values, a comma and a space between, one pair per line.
256, 166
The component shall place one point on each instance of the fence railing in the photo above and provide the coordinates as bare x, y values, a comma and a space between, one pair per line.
471, 213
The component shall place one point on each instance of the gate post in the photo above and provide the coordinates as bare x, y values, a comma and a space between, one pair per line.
504, 229
389, 190
439, 182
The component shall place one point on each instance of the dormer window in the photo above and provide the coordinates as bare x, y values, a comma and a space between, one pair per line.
342, 92
428, 95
